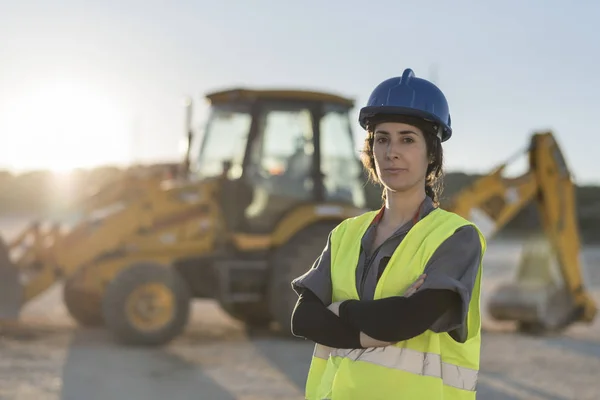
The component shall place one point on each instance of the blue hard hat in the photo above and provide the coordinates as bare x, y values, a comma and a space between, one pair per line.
409, 96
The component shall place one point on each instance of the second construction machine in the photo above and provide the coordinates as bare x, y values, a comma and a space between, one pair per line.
548, 292
275, 172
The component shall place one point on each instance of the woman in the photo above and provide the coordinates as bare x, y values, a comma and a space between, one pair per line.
393, 300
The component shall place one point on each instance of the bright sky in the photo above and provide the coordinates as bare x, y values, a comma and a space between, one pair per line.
108, 76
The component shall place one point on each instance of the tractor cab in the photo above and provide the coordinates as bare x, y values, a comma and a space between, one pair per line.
276, 150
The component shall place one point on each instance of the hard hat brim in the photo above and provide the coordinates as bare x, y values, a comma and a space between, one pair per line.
369, 112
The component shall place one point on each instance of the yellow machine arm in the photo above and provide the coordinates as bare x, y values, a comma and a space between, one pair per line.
536, 301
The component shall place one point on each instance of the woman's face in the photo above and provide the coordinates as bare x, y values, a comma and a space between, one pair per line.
400, 154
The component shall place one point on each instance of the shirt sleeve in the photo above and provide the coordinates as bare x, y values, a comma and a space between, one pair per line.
454, 266
318, 278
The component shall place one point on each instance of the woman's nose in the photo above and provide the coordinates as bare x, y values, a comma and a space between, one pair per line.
393, 151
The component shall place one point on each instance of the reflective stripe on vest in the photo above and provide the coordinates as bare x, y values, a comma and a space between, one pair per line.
416, 362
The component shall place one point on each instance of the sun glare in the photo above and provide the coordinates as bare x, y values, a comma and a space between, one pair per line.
67, 125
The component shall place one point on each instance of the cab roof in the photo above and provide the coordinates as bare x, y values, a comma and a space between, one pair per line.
225, 96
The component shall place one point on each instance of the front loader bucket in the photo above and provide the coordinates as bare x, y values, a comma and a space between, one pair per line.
537, 298
11, 290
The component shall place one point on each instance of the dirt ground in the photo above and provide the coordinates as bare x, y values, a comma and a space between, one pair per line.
48, 358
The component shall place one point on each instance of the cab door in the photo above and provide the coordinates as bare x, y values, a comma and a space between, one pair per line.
280, 165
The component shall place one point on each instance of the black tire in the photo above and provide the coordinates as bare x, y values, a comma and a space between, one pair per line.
114, 304
290, 261
84, 307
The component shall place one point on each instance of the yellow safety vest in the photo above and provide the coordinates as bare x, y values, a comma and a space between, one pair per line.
430, 366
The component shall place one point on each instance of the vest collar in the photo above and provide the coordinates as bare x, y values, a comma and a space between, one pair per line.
425, 208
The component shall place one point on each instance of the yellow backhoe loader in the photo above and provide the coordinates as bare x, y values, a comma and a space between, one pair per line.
276, 170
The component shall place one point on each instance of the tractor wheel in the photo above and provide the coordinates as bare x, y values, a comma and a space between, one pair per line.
83, 306
289, 261
146, 304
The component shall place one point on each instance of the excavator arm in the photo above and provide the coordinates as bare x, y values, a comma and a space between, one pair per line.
548, 292
557, 207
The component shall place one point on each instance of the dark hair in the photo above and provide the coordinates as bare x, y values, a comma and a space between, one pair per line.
434, 174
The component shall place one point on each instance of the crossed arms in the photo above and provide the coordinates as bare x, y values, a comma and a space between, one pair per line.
372, 323
439, 302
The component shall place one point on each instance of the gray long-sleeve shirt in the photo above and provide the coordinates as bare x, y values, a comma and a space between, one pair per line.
454, 266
